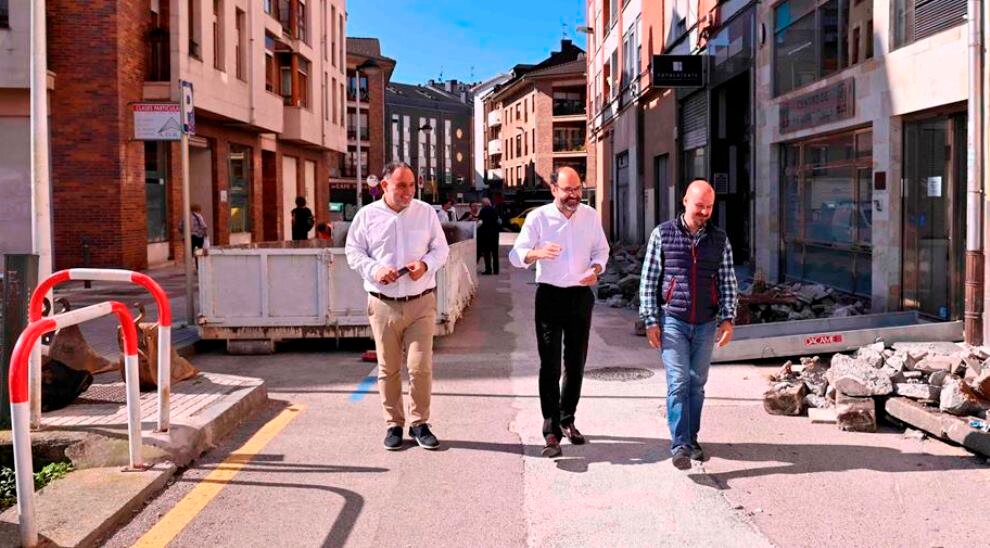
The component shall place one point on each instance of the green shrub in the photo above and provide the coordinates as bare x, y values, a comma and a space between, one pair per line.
48, 474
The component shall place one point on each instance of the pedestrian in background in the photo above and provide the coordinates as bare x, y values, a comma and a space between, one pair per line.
302, 220
397, 245
199, 231
446, 212
566, 241
488, 232
324, 232
688, 299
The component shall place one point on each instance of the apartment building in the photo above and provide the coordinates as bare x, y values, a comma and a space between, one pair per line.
536, 122
483, 177
430, 130
269, 124
365, 109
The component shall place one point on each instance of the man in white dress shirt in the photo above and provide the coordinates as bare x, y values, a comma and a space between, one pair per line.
566, 241
397, 246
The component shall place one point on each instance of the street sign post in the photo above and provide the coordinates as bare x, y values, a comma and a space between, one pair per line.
188, 127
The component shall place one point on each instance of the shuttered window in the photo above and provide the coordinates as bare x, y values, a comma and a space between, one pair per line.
919, 19
694, 122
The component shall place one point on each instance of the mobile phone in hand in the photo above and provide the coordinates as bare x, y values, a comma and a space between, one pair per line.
403, 271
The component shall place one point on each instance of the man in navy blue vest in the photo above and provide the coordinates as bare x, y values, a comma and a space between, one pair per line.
688, 296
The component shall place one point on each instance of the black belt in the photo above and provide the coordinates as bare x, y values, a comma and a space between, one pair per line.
407, 298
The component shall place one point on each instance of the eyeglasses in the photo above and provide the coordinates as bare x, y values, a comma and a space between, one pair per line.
575, 190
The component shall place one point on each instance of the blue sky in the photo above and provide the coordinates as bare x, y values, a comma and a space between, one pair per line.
425, 36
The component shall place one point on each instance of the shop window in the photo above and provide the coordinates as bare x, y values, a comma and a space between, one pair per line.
156, 189
827, 213
239, 188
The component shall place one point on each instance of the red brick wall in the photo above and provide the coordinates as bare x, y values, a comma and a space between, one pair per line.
96, 51
376, 119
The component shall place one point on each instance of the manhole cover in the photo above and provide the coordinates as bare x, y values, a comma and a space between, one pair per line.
618, 373
103, 393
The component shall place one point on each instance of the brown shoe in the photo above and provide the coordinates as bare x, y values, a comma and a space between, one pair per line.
573, 435
552, 449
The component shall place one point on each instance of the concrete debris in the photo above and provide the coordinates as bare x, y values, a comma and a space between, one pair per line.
933, 363
814, 401
854, 414
912, 434
956, 398
822, 416
858, 377
784, 399
917, 391
982, 383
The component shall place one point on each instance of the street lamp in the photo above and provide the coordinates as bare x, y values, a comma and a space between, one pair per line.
428, 129
370, 67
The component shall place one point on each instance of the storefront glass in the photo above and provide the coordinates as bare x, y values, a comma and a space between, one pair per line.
827, 211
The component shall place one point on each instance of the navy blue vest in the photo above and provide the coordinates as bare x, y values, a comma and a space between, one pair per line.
689, 288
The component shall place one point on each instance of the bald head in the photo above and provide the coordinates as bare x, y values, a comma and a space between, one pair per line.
699, 200
566, 189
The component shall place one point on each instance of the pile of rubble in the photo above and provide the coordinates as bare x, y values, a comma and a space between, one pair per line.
760, 302
848, 390
618, 286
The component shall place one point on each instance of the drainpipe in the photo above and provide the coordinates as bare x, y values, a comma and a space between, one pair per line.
974, 181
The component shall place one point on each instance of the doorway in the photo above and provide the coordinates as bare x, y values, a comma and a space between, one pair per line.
934, 216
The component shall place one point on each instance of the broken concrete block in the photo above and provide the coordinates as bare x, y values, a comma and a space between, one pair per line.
913, 356
937, 362
956, 398
855, 414
918, 391
814, 401
830, 393
858, 378
784, 373
913, 375
960, 366
787, 400
815, 378
938, 378
822, 416
982, 383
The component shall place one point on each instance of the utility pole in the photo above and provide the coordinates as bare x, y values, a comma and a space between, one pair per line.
973, 315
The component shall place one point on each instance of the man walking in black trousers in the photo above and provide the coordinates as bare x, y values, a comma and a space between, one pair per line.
488, 232
566, 241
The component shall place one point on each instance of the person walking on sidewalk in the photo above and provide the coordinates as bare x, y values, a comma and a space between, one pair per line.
397, 245
302, 220
566, 241
488, 231
688, 297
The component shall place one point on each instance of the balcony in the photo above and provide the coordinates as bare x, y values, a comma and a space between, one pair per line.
494, 118
352, 95
569, 147
568, 107
301, 125
495, 146
352, 134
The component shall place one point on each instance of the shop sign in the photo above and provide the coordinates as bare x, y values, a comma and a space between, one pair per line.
824, 106
678, 71
156, 121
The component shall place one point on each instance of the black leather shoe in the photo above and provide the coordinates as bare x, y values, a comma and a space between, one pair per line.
573, 435
421, 433
697, 453
552, 449
393, 438
681, 458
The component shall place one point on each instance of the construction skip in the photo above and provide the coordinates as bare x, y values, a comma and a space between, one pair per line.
257, 294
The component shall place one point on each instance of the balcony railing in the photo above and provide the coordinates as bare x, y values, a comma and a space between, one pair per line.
568, 107
494, 117
569, 145
352, 95
352, 134
159, 64
495, 146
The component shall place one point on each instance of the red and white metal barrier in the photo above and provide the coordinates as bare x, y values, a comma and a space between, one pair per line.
164, 331
20, 401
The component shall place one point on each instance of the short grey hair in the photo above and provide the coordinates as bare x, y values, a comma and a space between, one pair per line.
391, 168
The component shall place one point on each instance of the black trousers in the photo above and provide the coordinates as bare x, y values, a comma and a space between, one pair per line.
563, 322
488, 250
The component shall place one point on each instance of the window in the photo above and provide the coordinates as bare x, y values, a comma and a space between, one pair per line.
352, 125
854, 54
807, 41
827, 222
218, 34
284, 14
568, 102
869, 40
240, 48
343, 39
192, 8
333, 35
918, 19
340, 105
4, 14
285, 83
526, 110
525, 144
301, 21
303, 95
271, 69
240, 188
326, 99
267, 4
333, 100
156, 189
518, 145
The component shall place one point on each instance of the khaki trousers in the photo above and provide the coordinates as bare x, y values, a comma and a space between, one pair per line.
404, 332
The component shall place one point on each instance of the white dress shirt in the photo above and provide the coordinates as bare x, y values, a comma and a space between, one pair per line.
379, 237
581, 239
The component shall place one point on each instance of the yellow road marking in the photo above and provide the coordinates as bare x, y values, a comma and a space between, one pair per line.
193, 503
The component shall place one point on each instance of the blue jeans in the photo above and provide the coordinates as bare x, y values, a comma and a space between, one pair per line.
686, 352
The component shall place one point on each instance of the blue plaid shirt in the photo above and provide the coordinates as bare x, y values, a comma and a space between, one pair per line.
649, 307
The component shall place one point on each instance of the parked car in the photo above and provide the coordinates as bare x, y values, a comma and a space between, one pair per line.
516, 222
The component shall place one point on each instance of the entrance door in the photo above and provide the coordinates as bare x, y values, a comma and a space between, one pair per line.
622, 195
934, 216
661, 188
289, 193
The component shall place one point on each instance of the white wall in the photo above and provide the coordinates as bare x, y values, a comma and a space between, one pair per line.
15, 185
